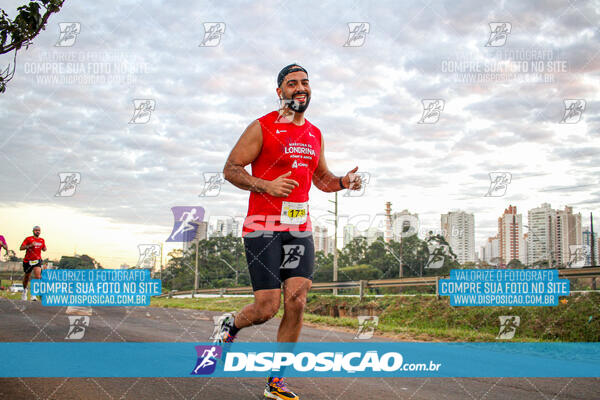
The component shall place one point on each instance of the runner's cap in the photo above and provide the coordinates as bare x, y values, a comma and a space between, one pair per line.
288, 70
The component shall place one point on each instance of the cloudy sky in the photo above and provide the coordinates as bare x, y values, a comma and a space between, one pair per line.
70, 106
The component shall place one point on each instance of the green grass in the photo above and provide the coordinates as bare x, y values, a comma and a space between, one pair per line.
210, 304
428, 318
8, 282
5, 294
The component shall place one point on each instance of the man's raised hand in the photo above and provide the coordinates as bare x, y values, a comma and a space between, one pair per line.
282, 186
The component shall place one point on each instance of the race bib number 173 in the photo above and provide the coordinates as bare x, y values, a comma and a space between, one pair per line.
294, 213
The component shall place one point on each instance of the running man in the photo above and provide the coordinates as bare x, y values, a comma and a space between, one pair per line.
33, 245
286, 153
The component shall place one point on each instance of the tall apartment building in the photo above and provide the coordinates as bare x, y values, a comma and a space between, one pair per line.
226, 226
568, 233
510, 236
322, 240
349, 234
458, 228
492, 250
541, 234
552, 233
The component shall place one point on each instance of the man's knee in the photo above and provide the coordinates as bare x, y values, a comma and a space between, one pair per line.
295, 304
267, 310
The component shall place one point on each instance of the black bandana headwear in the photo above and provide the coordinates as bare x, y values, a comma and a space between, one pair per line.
288, 70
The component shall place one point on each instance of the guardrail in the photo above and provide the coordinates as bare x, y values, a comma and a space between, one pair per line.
573, 273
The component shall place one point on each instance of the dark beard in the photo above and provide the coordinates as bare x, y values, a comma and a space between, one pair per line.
297, 106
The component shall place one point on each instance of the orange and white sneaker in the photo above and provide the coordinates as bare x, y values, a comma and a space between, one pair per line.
277, 389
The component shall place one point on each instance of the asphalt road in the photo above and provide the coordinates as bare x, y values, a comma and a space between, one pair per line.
24, 321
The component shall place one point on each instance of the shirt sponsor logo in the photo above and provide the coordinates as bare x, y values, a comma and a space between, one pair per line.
299, 150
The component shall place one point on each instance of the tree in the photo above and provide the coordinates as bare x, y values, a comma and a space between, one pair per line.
439, 251
323, 267
213, 256
14, 34
515, 264
82, 262
354, 253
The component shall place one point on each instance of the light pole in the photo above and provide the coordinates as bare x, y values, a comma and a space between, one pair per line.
196, 269
233, 269
335, 252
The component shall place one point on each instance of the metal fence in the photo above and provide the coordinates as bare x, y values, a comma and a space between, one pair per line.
574, 273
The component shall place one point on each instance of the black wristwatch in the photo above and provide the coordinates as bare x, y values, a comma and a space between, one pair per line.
341, 184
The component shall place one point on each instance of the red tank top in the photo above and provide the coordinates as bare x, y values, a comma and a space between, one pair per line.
286, 147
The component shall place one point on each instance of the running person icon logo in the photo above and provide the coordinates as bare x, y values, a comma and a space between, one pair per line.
68, 33
432, 109
148, 255
142, 111
291, 255
212, 184
508, 326
499, 32
77, 327
366, 326
498, 184
578, 255
574, 109
207, 359
212, 34
358, 34
185, 225
68, 184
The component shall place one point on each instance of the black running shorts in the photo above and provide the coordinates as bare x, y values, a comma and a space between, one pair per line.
27, 268
274, 257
